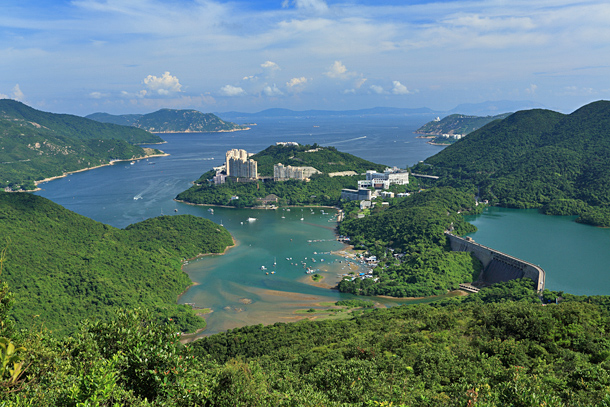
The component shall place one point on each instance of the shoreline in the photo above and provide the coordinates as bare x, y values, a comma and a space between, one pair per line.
194, 283
65, 174
258, 207
192, 131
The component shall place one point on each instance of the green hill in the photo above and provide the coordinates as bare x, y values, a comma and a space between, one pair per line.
320, 190
536, 158
457, 124
171, 121
35, 145
323, 159
64, 267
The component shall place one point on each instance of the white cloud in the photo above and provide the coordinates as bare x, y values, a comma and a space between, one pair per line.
377, 89
272, 91
17, 93
137, 95
296, 84
163, 85
399, 88
337, 70
96, 95
229, 90
271, 66
360, 82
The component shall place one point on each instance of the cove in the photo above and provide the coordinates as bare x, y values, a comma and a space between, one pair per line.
574, 256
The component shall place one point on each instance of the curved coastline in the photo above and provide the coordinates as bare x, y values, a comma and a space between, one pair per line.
65, 174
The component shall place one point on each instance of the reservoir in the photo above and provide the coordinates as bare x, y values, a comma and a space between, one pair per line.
574, 256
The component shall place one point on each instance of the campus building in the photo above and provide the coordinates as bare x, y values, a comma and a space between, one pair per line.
383, 180
283, 173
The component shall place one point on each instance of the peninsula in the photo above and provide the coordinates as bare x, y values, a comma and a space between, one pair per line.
171, 121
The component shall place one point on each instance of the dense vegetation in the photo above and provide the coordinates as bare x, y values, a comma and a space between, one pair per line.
323, 159
535, 159
170, 121
35, 145
458, 124
64, 267
461, 352
409, 240
320, 190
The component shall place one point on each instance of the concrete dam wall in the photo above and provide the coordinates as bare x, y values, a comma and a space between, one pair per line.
498, 266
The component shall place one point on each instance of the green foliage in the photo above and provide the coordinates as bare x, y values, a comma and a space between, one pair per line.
64, 267
321, 190
325, 159
35, 145
414, 227
355, 303
170, 120
458, 124
536, 159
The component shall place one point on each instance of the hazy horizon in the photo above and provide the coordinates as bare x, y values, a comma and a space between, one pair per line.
137, 56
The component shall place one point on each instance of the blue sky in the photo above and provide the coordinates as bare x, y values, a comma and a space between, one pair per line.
136, 56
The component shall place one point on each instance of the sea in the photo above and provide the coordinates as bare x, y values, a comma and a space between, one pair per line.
262, 280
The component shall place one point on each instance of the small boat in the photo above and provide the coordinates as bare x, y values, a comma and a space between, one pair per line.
211, 210
132, 163
251, 219
263, 268
273, 272
175, 210
274, 261
302, 218
283, 217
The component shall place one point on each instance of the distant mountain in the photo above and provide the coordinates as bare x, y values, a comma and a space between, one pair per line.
458, 124
537, 158
492, 108
171, 121
35, 145
279, 112
123, 120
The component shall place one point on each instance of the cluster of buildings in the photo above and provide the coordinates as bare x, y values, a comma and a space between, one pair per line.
284, 172
378, 181
453, 136
240, 166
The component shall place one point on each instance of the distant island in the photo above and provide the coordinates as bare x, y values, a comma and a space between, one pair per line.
36, 145
453, 127
171, 121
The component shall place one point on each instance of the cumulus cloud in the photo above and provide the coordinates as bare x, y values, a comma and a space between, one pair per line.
97, 95
336, 70
163, 85
270, 65
272, 91
399, 88
230, 90
16, 95
377, 89
296, 84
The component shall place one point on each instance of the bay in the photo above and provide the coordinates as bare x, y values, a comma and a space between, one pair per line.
233, 285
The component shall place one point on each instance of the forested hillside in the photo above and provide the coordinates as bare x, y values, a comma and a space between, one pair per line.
64, 267
171, 121
320, 190
536, 158
35, 145
458, 124
461, 352
413, 229
323, 159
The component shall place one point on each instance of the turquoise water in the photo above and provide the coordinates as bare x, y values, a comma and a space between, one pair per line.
575, 257
233, 285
